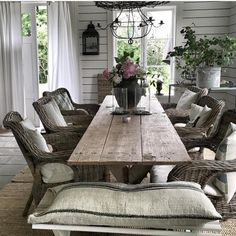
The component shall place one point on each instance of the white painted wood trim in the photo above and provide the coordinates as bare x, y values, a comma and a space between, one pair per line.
211, 226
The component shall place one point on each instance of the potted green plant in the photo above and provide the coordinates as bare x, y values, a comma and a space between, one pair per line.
203, 57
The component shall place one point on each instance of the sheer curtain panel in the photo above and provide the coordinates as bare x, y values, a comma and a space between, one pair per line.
62, 50
11, 77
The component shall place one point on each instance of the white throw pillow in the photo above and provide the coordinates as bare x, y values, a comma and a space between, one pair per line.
187, 98
36, 137
195, 112
26, 123
54, 114
56, 173
206, 111
226, 151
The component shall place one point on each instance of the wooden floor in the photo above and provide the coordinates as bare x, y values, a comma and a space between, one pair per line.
11, 159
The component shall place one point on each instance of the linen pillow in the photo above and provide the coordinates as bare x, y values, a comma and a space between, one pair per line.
56, 173
140, 206
187, 98
35, 135
206, 111
54, 114
194, 115
63, 101
226, 151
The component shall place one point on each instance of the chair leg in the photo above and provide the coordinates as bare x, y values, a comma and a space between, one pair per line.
28, 204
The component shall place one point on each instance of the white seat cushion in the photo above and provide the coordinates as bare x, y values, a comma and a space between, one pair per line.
226, 151
211, 190
187, 98
56, 173
180, 125
120, 205
54, 114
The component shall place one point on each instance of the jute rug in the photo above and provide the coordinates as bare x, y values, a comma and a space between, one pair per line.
12, 201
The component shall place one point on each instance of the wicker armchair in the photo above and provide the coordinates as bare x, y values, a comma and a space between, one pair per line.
213, 141
209, 127
90, 108
180, 116
79, 123
200, 172
36, 158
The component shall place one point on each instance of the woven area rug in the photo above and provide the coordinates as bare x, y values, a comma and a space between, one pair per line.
12, 201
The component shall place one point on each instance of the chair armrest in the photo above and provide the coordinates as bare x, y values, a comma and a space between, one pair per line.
200, 171
90, 108
74, 112
191, 132
168, 105
62, 141
80, 129
83, 120
50, 157
211, 143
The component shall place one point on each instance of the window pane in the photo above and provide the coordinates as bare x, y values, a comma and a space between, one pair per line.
124, 46
26, 24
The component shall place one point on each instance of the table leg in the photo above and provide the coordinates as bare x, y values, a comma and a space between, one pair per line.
61, 233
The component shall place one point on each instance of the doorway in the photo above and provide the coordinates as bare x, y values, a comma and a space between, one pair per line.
34, 55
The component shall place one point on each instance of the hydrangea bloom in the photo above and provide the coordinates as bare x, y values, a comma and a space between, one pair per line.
127, 70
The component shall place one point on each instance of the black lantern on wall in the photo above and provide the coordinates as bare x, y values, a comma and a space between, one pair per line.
90, 40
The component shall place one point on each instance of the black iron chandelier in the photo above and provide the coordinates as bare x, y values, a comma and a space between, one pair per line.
144, 23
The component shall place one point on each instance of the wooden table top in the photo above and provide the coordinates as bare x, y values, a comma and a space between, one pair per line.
146, 139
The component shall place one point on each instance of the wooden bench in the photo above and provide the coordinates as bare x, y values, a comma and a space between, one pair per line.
174, 209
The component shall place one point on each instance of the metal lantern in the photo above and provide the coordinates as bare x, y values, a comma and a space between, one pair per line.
90, 40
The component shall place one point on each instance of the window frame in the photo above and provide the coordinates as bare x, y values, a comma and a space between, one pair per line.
143, 59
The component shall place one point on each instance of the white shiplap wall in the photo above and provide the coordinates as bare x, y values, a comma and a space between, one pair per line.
210, 18
91, 65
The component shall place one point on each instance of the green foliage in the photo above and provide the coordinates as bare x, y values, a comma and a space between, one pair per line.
203, 52
131, 50
157, 70
26, 26
41, 20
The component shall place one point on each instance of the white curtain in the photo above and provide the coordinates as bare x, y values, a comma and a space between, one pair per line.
62, 51
11, 76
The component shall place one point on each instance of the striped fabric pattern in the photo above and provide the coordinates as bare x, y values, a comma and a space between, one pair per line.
63, 101
120, 205
226, 151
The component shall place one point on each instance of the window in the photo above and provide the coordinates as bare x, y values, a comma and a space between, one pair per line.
153, 49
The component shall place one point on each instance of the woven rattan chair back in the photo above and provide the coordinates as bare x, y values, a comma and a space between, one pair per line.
104, 88
30, 153
12, 121
90, 108
202, 91
227, 117
57, 92
49, 126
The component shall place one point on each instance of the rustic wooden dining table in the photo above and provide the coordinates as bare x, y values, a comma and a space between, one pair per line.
145, 139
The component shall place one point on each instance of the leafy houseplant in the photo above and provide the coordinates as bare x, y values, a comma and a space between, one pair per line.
198, 54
